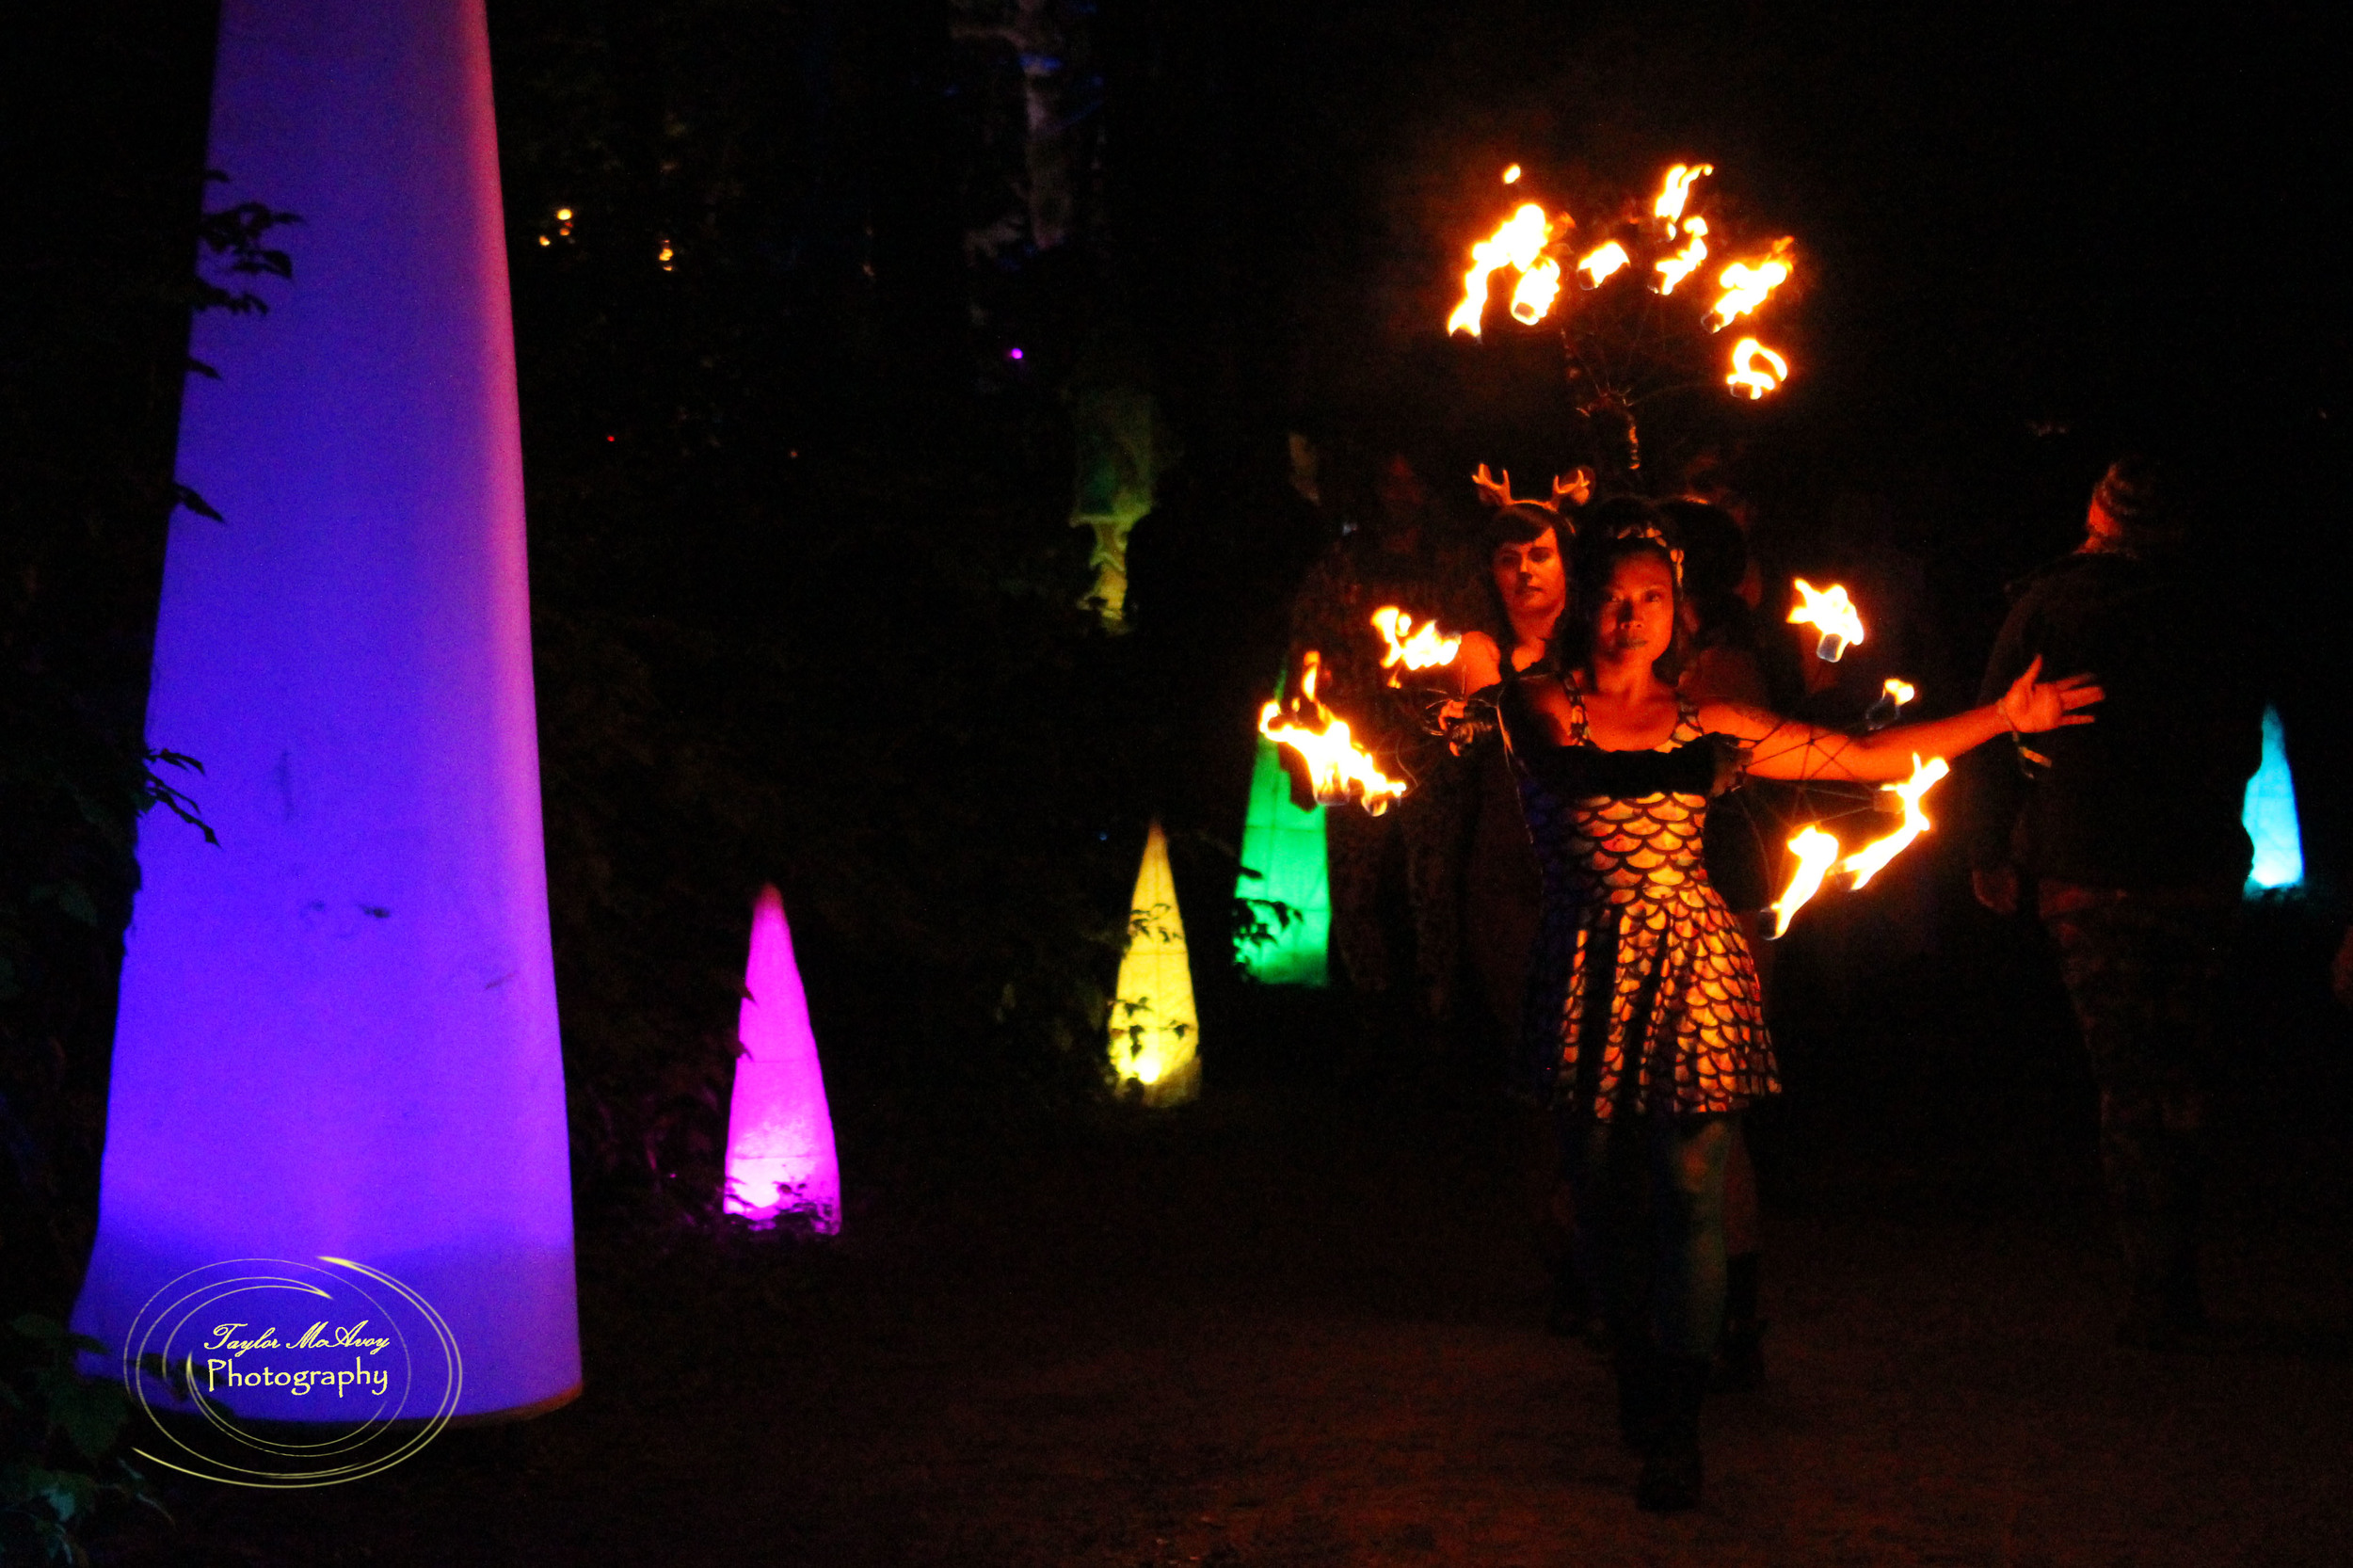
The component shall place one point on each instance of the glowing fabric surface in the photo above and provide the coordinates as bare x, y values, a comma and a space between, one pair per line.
338, 1029
1284, 847
780, 1154
2270, 815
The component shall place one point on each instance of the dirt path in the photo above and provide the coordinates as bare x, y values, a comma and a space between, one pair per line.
1290, 1327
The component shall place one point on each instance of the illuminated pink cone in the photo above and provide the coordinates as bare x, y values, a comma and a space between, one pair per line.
780, 1157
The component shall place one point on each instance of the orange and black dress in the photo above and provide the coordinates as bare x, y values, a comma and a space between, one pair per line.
1642, 995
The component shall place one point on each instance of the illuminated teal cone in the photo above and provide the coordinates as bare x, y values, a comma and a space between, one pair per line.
2270, 815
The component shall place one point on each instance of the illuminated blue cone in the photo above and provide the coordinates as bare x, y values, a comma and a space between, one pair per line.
338, 1029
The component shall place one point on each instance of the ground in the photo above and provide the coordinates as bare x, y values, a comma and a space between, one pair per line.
1300, 1322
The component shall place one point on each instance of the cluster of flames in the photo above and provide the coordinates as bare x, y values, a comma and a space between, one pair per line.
1339, 770
1533, 246
1524, 241
1830, 612
1818, 852
1411, 646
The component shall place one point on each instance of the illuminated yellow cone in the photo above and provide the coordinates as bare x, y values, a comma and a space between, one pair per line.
1153, 1027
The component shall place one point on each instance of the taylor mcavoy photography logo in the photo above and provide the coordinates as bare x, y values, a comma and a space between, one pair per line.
267, 1372
221, 1371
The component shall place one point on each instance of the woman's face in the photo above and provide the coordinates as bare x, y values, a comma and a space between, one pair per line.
1634, 613
1530, 577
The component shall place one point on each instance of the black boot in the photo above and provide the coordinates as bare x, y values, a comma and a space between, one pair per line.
1671, 1460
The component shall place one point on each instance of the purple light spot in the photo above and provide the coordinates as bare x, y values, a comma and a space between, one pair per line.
1013, 354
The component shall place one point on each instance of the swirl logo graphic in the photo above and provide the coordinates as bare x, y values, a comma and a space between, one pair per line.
269, 1373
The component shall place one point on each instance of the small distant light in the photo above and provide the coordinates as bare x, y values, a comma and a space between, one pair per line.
1511, 175
1013, 354
562, 214
793, 452
544, 240
612, 438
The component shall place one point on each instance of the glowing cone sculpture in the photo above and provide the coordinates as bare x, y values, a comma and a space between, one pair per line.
780, 1155
1283, 862
2270, 815
1153, 1028
338, 1030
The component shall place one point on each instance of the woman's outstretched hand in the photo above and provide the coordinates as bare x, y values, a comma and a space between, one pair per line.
2031, 706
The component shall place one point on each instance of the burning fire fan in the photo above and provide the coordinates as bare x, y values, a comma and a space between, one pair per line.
1646, 305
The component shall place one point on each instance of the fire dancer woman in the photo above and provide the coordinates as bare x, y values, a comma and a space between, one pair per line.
1718, 616
1660, 1042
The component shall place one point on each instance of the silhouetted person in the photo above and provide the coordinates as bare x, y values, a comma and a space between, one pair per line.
2129, 834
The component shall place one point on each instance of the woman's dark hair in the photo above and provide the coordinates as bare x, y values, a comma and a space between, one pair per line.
1715, 558
1610, 532
1522, 522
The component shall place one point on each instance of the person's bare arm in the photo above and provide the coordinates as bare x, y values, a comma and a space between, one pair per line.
1786, 748
1479, 665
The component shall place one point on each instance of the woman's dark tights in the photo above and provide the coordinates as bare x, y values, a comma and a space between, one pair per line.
1650, 1222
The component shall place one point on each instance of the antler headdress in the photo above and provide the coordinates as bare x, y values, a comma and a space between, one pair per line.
1497, 492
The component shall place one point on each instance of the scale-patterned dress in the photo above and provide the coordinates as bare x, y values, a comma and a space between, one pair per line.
1642, 995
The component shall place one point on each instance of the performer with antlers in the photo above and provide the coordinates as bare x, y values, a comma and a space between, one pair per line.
1528, 590
1655, 1041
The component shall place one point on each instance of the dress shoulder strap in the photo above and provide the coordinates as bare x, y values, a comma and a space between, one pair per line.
1687, 722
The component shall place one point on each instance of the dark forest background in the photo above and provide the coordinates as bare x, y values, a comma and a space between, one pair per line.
807, 607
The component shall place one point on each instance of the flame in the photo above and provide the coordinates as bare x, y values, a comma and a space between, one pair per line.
1749, 379
1511, 175
1668, 209
1867, 861
1828, 609
1676, 268
1411, 646
1337, 768
1602, 263
1745, 286
1518, 242
1898, 692
1816, 850
1539, 286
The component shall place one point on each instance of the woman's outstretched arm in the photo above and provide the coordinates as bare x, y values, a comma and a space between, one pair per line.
1786, 748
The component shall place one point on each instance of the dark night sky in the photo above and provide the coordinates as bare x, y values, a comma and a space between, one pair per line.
2072, 215
2073, 218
